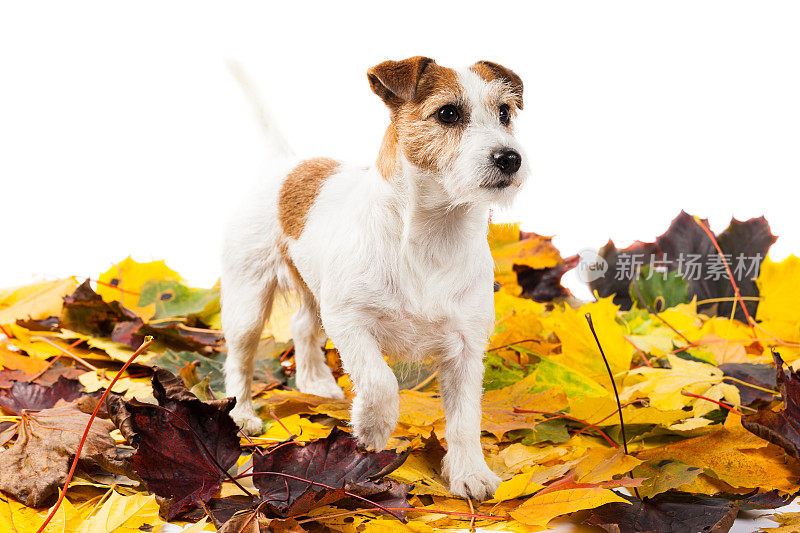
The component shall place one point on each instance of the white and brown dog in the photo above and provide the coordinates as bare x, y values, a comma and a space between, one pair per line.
390, 260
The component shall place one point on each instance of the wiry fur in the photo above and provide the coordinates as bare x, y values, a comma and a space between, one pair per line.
393, 259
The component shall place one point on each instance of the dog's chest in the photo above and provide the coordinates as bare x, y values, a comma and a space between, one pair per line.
425, 307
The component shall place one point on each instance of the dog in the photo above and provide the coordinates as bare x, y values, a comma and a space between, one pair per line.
389, 260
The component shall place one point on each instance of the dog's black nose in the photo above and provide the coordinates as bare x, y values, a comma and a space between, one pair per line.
508, 161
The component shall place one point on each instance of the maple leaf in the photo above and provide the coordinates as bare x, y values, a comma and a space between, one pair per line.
335, 461
24, 395
527, 263
609, 285
172, 298
781, 428
751, 239
544, 284
35, 466
733, 455
36, 301
676, 512
86, 312
184, 446
123, 282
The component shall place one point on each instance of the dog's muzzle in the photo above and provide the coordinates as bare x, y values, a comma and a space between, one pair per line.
507, 161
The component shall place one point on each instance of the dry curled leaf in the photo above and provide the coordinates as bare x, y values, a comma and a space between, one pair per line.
36, 465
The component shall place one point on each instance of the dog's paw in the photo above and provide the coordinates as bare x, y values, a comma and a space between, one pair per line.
373, 436
250, 423
326, 387
470, 479
373, 424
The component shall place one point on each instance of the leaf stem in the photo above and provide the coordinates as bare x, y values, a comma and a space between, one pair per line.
568, 417
737, 294
746, 384
356, 496
614, 384
726, 406
142, 347
68, 353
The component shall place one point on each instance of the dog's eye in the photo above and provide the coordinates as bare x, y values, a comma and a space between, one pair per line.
448, 114
505, 117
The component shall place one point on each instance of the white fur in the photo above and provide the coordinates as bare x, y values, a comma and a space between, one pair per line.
398, 268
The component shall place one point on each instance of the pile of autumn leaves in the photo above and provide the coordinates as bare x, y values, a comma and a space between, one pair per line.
708, 430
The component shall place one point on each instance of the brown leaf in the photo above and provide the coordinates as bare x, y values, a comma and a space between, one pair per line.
252, 521
676, 512
334, 461
86, 312
184, 446
36, 465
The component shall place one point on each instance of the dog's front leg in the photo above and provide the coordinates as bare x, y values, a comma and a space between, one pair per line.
376, 406
461, 385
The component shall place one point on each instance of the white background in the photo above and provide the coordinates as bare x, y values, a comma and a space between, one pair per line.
121, 131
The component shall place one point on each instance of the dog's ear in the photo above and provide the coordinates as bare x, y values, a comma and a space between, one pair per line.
492, 71
396, 81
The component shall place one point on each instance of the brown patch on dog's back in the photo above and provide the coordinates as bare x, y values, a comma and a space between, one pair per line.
299, 191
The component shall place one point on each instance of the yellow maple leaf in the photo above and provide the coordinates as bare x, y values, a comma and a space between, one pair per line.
602, 464
541, 509
36, 301
530, 481
123, 514
779, 308
302, 428
734, 456
779, 290
578, 347
663, 386
123, 282
508, 250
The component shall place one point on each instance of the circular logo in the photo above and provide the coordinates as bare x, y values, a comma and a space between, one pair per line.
590, 265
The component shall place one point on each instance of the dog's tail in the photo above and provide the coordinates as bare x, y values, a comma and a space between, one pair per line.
276, 142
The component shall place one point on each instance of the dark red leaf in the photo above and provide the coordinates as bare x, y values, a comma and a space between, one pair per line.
23, 395
183, 446
609, 285
764, 500
544, 284
676, 512
334, 461
760, 375
685, 240
783, 427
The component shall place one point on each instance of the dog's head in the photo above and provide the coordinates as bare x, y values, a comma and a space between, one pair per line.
456, 127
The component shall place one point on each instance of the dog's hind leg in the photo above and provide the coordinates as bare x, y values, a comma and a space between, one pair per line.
246, 304
313, 374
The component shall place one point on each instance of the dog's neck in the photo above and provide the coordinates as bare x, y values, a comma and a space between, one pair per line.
432, 225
